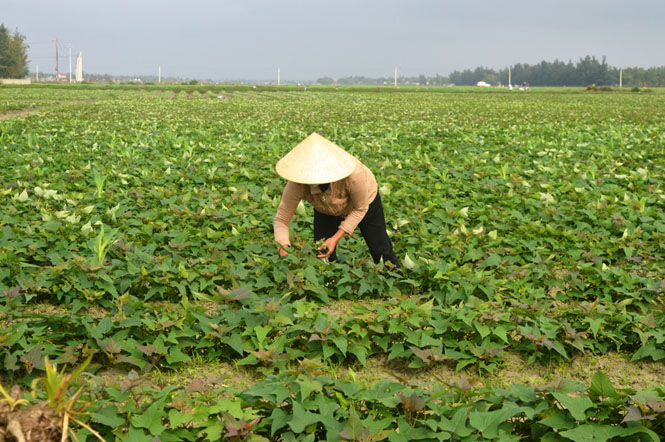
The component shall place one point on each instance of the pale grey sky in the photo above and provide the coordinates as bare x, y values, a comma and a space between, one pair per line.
249, 39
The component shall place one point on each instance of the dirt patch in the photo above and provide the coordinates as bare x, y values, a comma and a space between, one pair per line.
194, 377
36, 423
514, 370
59, 310
97, 312
619, 369
344, 307
17, 113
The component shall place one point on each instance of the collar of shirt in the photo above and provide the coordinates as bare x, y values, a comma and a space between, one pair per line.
319, 188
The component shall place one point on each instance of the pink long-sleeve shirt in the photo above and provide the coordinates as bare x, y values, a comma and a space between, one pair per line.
348, 198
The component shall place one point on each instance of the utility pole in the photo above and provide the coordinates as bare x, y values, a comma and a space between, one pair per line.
70, 63
395, 76
159, 74
279, 79
57, 68
621, 79
509, 76
79, 67
37, 72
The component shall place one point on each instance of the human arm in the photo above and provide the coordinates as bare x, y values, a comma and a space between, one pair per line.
291, 197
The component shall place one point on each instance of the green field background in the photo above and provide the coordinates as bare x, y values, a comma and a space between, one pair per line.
136, 222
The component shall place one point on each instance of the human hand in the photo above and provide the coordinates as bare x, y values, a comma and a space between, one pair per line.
282, 251
327, 248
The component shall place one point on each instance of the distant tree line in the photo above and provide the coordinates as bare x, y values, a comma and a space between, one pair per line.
437, 80
13, 54
586, 71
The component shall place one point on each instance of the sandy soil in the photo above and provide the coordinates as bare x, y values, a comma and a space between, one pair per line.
17, 113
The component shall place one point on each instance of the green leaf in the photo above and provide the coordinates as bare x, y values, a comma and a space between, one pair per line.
214, 431
354, 429
23, 197
593, 432
213, 234
558, 346
473, 255
594, 324
602, 386
262, 332
523, 392
10, 362
176, 356
492, 261
302, 418
151, 418
408, 433
483, 329
576, 405
559, 421
408, 262
500, 332
231, 406
307, 385
488, 421
648, 350
364, 287
136, 435
341, 342
33, 359
279, 420
235, 342
641, 430
178, 418
456, 425
311, 275
105, 325
360, 352
348, 388
108, 416
425, 309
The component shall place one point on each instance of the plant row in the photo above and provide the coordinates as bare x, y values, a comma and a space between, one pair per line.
303, 405
272, 332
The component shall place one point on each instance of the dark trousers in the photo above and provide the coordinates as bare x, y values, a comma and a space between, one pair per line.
372, 228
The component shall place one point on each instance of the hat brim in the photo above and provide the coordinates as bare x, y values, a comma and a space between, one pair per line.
316, 160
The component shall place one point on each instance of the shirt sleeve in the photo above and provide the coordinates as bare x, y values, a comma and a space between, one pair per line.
291, 197
359, 194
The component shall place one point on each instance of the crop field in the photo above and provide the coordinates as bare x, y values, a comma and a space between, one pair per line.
136, 244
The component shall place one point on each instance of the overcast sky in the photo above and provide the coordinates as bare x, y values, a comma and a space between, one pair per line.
308, 39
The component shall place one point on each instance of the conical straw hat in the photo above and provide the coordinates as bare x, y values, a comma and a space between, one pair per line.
316, 160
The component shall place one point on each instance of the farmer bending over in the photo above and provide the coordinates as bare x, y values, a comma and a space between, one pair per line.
343, 192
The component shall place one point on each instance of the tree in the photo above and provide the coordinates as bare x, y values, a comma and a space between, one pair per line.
325, 80
5, 62
13, 54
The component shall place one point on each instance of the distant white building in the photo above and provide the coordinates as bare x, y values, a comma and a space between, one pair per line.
482, 84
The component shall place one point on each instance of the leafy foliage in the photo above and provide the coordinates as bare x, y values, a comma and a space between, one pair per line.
13, 54
138, 223
282, 407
